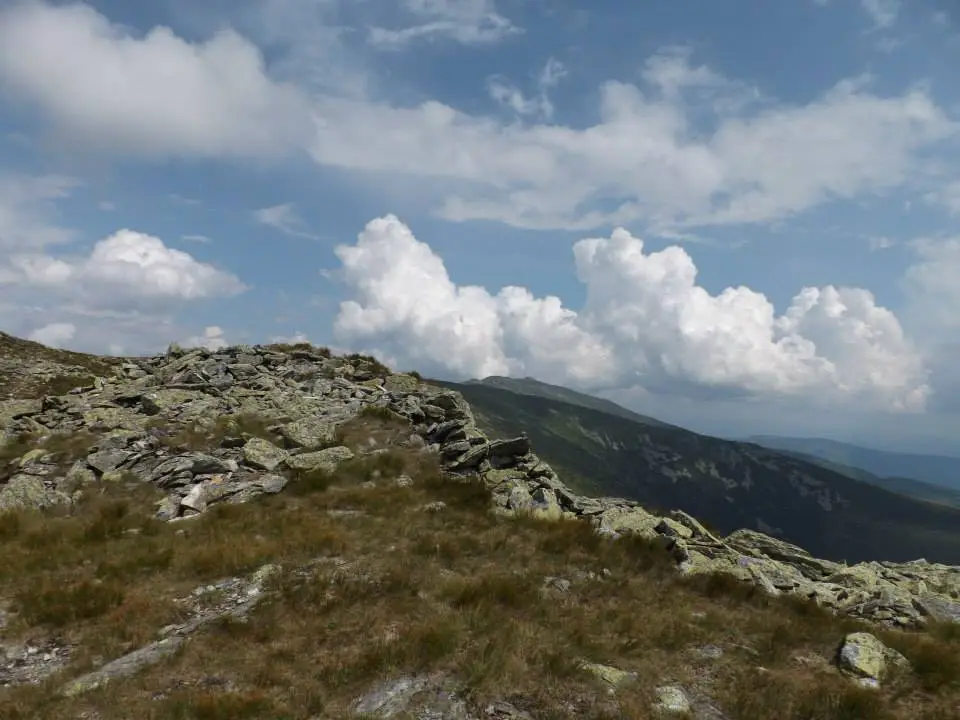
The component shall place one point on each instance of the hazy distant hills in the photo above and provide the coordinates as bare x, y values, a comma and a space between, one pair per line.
933, 469
599, 447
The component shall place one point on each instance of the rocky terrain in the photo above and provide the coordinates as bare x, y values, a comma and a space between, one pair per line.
271, 460
725, 484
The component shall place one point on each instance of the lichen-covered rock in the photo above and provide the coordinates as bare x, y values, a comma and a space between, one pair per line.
615, 677
263, 454
866, 659
309, 433
29, 491
326, 460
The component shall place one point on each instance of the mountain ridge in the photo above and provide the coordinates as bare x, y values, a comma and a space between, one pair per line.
665, 466
943, 470
338, 514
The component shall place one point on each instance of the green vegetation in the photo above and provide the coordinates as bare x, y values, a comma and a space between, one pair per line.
727, 484
372, 586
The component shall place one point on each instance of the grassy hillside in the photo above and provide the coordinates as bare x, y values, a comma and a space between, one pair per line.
727, 484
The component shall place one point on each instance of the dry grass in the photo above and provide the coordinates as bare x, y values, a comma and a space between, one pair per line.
63, 370
398, 590
215, 432
59, 449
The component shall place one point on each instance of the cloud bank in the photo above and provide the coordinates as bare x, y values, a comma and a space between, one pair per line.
645, 323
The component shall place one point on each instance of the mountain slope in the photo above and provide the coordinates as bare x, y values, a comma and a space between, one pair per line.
724, 483
536, 388
917, 489
937, 469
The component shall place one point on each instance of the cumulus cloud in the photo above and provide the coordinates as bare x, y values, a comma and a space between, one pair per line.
646, 323
153, 95
470, 22
212, 339
56, 334
124, 266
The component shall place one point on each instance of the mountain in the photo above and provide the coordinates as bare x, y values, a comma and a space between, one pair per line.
537, 388
940, 470
727, 484
918, 489
276, 532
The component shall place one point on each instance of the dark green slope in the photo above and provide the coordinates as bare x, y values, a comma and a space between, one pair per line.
727, 484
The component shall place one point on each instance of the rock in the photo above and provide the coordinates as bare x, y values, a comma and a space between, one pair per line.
309, 433
418, 696
24, 492
608, 674
188, 464
544, 505
634, 520
866, 659
263, 454
107, 460
326, 460
671, 699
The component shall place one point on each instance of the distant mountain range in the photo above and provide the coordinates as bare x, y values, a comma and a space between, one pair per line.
929, 469
834, 511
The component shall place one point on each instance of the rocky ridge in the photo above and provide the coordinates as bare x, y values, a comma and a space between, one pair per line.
138, 421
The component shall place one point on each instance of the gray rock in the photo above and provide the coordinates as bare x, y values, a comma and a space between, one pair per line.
263, 454
326, 460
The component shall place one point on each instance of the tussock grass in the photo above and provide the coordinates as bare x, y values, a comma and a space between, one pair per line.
389, 589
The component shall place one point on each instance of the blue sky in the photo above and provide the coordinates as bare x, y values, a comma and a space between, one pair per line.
740, 217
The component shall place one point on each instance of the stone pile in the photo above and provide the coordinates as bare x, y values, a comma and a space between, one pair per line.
302, 396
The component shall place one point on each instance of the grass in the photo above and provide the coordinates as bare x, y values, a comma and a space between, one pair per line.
63, 370
389, 589
58, 449
215, 431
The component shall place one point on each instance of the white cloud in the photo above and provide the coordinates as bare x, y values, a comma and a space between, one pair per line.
27, 205
195, 238
212, 339
284, 218
126, 265
880, 242
56, 334
947, 197
470, 22
508, 95
883, 13
297, 337
645, 323
156, 95
646, 153
932, 286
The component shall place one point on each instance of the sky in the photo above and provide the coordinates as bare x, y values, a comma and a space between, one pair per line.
740, 217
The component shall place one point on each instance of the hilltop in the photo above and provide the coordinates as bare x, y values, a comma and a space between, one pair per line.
274, 532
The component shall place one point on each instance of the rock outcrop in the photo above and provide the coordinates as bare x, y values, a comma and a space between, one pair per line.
273, 413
